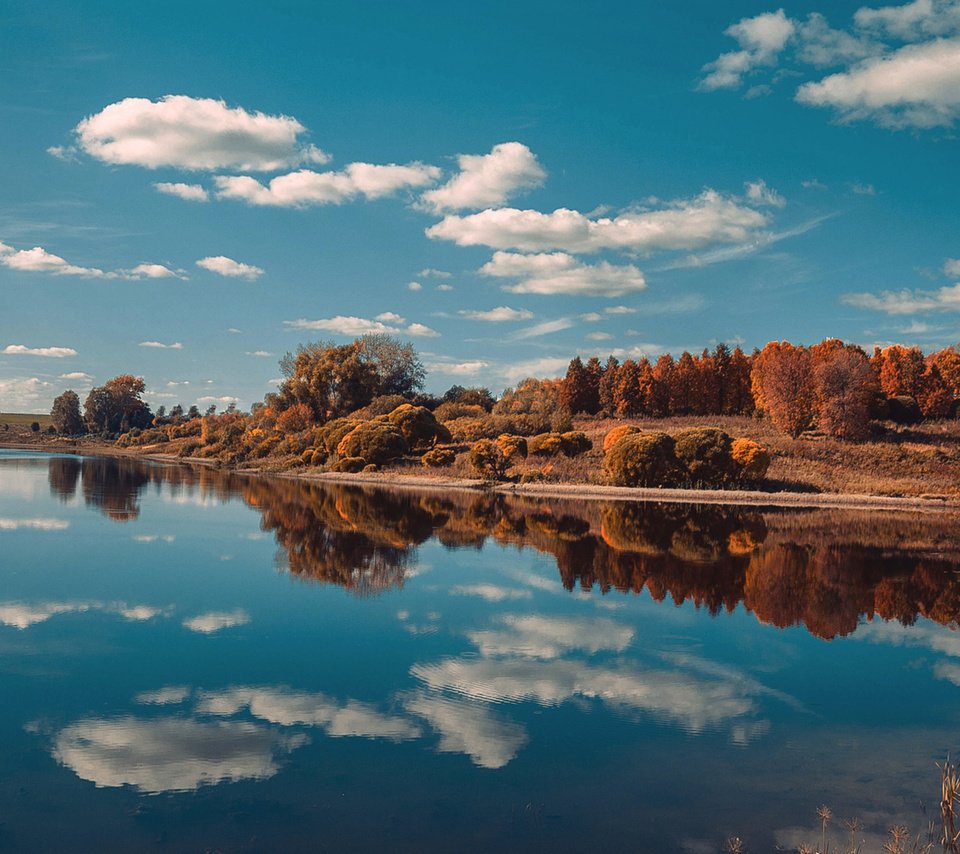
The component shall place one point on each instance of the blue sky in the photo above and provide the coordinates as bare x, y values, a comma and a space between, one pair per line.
191, 190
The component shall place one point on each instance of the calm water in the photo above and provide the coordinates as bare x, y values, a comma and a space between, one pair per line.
193, 661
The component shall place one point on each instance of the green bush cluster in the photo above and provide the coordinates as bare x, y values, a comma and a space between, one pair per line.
570, 444
438, 458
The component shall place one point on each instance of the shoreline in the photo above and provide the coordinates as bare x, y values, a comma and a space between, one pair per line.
583, 491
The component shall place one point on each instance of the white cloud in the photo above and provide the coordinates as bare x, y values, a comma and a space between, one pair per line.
761, 40
560, 273
77, 375
26, 394
223, 266
158, 345
150, 271
39, 260
471, 729
226, 398
599, 336
458, 369
547, 327
917, 85
498, 314
342, 325
822, 45
537, 636
214, 621
261, 353
907, 301
760, 194
619, 309
545, 367
488, 180
683, 224
863, 189
951, 267
48, 352
188, 192
428, 272
22, 615
286, 707
911, 20
444, 288
169, 754
490, 592
306, 187
414, 286
389, 317
193, 133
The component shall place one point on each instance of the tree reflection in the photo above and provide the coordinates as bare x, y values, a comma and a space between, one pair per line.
826, 569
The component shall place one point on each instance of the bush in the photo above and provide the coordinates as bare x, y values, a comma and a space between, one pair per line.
35, 426
369, 468
751, 459
329, 435
705, 452
490, 426
488, 460
419, 426
616, 434
904, 409
535, 476
575, 442
349, 465
453, 410
512, 446
438, 458
189, 448
375, 441
383, 405
545, 445
643, 459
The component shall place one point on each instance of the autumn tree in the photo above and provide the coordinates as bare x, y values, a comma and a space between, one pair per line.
627, 399
65, 414
580, 389
395, 363
608, 386
844, 387
934, 396
782, 382
662, 381
947, 361
737, 397
116, 406
683, 386
901, 369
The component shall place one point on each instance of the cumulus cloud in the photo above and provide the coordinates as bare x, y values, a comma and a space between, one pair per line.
683, 224
225, 398
261, 353
215, 621
306, 187
159, 345
48, 352
150, 271
169, 754
287, 707
223, 266
761, 40
25, 394
39, 260
470, 728
560, 273
77, 375
488, 180
951, 267
760, 194
194, 133
917, 85
349, 325
499, 314
545, 367
907, 301
188, 192
414, 286
912, 20
458, 369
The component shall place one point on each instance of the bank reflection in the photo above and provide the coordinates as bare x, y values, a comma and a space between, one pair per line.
827, 570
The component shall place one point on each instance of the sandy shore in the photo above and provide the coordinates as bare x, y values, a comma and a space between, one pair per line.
582, 491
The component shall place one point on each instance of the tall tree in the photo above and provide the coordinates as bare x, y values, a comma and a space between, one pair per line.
575, 390
395, 363
900, 370
845, 386
66, 416
782, 380
608, 386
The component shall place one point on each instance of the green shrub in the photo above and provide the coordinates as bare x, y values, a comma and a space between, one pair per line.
513, 447
438, 458
488, 460
375, 441
329, 435
349, 465
575, 442
705, 452
643, 459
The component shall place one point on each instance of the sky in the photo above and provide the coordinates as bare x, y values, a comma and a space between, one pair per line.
190, 190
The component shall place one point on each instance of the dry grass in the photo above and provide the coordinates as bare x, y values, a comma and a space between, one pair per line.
23, 419
919, 460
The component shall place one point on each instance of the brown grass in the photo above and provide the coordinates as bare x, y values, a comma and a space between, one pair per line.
23, 419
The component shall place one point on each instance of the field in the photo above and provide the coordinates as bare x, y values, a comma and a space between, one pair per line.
23, 419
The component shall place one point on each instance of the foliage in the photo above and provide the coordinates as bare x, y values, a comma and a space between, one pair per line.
438, 458
575, 442
488, 460
116, 406
329, 435
65, 415
491, 426
473, 396
298, 417
845, 386
545, 445
616, 434
374, 441
705, 453
903, 409
395, 363
643, 459
451, 410
349, 465
419, 426
513, 447
934, 396
751, 459
782, 379
900, 371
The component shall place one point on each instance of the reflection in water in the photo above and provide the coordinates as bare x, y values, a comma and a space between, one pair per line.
823, 569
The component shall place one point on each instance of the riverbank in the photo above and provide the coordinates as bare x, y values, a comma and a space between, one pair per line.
429, 481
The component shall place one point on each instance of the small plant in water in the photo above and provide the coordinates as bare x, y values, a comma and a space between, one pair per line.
949, 792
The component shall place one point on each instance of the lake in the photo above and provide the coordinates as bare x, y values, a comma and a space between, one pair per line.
193, 660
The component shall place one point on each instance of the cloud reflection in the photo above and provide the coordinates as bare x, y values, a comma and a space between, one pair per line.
215, 621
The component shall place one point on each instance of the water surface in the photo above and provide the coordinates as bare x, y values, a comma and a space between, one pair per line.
192, 661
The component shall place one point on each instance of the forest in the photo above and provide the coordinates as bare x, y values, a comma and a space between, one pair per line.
712, 420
